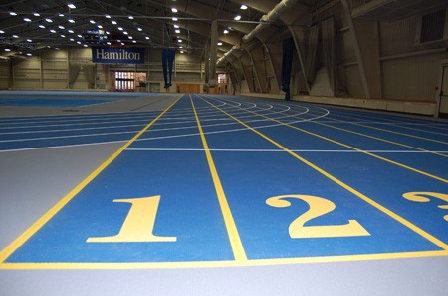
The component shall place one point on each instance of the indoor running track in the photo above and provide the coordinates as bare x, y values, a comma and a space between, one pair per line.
227, 181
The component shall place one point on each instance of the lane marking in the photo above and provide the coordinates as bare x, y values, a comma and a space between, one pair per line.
233, 263
349, 147
278, 150
234, 237
27, 234
398, 133
370, 201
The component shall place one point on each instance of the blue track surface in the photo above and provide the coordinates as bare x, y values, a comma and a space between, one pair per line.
360, 162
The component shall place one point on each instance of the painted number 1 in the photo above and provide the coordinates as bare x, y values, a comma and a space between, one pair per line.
138, 225
318, 207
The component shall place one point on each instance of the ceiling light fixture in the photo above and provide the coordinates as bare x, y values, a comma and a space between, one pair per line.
71, 5
92, 21
61, 27
108, 16
48, 20
139, 29
15, 36
226, 31
41, 26
114, 22
237, 18
177, 31
243, 7
174, 10
27, 19
36, 14
12, 13
2, 32
130, 17
174, 19
53, 31
71, 21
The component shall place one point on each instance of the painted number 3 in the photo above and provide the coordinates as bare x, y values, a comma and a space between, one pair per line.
318, 207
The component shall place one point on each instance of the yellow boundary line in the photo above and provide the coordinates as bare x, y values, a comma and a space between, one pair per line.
396, 133
235, 241
346, 146
6, 252
232, 263
370, 201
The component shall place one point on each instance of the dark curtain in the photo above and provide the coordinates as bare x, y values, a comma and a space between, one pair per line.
329, 50
167, 65
311, 53
288, 51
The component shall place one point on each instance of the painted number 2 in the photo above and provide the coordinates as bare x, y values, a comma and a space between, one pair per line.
318, 207
138, 225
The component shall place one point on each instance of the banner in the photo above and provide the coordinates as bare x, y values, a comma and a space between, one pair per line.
107, 55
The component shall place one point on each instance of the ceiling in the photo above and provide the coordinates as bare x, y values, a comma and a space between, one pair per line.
40, 25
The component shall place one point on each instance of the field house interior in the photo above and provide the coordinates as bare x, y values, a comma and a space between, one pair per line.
226, 147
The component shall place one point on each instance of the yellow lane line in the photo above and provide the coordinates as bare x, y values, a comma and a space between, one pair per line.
6, 252
370, 201
397, 133
232, 263
234, 237
371, 137
349, 147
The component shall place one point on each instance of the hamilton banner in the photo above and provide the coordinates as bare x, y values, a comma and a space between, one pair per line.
107, 55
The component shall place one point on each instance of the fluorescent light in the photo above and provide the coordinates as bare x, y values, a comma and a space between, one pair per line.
2, 32
114, 22
29, 54
174, 19
237, 18
15, 36
53, 31
130, 17
108, 16
7, 49
71, 39
139, 29
177, 31
61, 27
27, 19
130, 37
71, 21
12, 13
29, 40
181, 51
133, 41
109, 43
120, 28
147, 38
219, 43
124, 32
243, 7
92, 21
71, 31
79, 35
61, 15
71, 5
226, 31
36, 14
62, 35
48, 20
85, 45
176, 26
179, 40
100, 27
174, 10
41, 26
